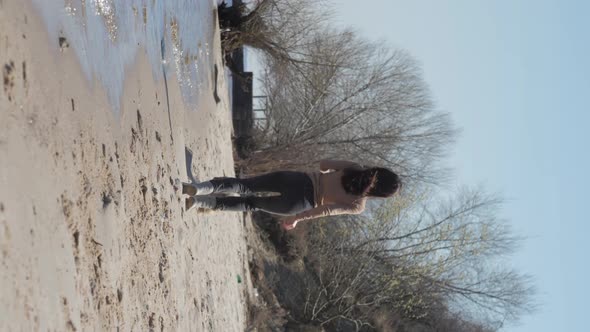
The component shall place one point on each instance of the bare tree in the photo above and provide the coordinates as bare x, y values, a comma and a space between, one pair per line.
418, 262
333, 94
276, 27
345, 97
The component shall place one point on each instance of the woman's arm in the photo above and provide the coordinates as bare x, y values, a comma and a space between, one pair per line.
327, 165
323, 211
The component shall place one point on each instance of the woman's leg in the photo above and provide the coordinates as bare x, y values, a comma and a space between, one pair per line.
295, 188
270, 182
282, 205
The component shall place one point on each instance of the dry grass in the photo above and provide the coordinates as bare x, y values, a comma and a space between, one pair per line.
265, 311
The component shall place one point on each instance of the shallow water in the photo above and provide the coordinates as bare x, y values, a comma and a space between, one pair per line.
106, 36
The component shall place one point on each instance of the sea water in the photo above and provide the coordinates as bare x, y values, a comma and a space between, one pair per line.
106, 36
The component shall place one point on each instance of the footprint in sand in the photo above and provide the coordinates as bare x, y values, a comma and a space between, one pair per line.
215, 95
8, 79
63, 43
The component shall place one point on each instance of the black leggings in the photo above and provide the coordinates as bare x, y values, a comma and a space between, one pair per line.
295, 189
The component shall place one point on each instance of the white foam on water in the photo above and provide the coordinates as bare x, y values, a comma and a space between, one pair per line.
107, 35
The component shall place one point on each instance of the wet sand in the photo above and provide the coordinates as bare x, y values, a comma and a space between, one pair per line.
92, 233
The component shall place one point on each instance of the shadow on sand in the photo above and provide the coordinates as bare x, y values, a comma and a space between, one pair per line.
189, 164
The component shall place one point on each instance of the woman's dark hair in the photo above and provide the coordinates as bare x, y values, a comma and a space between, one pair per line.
373, 182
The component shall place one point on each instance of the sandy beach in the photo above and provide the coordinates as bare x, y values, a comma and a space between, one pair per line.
93, 235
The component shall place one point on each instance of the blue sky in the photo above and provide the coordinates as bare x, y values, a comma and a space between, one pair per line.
516, 77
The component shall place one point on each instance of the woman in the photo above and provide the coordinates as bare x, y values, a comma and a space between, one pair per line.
341, 187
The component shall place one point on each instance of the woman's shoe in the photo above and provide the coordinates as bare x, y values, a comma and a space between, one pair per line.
200, 202
189, 189
198, 189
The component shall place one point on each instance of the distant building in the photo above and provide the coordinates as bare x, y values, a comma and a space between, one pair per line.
242, 108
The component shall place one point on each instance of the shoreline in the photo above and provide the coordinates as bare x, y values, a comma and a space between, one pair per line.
92, 234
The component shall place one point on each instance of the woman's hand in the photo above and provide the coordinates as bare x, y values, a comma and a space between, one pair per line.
289, 223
